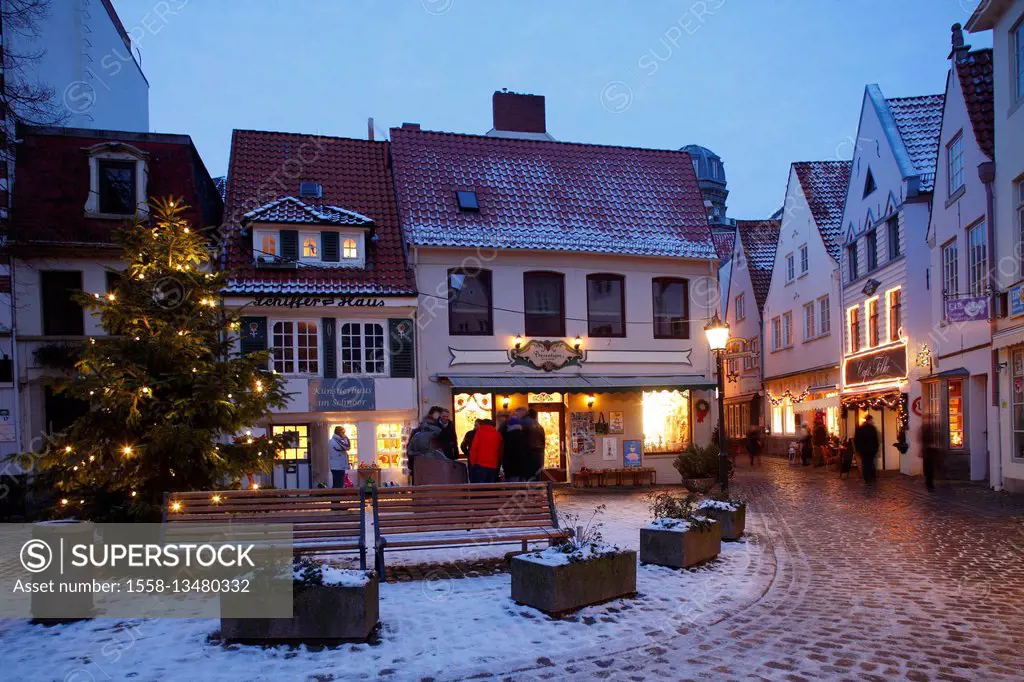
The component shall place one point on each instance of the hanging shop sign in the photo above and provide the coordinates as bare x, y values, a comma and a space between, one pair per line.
1015, 300
546, 355
889, 363
279, 301
967, 309
344, 394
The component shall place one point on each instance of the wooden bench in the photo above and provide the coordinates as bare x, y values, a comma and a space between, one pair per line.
433, 516
323, 520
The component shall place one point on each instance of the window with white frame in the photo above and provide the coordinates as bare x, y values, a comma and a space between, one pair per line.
805, 262
894, 298
809, 315
824, 315
741, 307
1018, 59
266, 242
776, 333
118, 179
955, 163
950, 266
363, 349
295, 347
755, 348
977, 259
790, 268
310, 246
787, 330
349, 249
853, 316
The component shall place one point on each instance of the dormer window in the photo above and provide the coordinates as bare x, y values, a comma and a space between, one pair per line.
310, 246
267, 242
118, 176
280, 247
349, 249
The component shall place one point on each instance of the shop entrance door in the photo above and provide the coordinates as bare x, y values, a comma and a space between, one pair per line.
552, 418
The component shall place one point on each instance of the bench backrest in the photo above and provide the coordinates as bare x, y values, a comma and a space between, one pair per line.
474, 506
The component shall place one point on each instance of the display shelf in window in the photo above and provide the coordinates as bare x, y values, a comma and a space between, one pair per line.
391, 440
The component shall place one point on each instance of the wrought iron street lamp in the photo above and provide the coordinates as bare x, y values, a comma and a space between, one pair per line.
717, 332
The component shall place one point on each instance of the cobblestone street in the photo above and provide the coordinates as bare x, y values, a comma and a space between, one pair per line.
868, 584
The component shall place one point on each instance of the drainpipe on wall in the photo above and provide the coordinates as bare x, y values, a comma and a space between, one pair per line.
16, 367
987, 174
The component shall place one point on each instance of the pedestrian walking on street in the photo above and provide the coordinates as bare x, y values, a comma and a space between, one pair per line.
338, 456
865, 441
448, 439
467, 440
485, 453
806, 449
930, 453
514, 459
535, 441
820, 438
754, 443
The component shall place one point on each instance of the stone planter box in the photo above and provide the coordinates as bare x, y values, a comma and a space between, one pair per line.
680, 549
732, 523
328, 612
699, 485
557, 590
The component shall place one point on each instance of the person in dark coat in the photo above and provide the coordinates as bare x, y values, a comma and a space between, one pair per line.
535, 441
820, 441
514, 458
424, 438
865, 441
467, 439
806, 448
929, 451
753, 443
448, 440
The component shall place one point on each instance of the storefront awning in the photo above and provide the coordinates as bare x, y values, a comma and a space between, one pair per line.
578, 383
948, 374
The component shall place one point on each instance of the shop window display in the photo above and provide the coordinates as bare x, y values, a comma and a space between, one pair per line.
468, 408
956, 415
666, 419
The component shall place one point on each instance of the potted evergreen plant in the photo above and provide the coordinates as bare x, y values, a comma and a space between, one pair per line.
699, 467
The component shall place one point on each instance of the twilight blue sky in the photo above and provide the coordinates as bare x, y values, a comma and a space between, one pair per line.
761, 82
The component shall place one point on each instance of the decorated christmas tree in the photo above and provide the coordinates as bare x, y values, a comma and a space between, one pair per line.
170, 397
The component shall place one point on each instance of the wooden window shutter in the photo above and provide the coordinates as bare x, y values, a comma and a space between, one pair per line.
330, 348
402, 350
331, 252
290, 245
253, 334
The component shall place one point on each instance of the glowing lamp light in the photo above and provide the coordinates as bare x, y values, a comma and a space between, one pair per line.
127, 450
255, 486
577, 342
518, 341
67, 448
504, 402
717, 333
64, 501
215, 499
259, 386
111, 296
134, 493
591, 399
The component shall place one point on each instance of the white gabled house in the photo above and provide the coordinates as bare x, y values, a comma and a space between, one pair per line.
803, 323
885, 270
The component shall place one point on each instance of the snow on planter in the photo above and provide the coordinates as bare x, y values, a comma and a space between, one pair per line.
559, 580
328, 604
680, 543
730, 514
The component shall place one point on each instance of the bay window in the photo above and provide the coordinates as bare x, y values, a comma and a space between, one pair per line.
295, 347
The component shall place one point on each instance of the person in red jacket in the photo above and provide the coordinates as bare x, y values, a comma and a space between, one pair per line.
485, 454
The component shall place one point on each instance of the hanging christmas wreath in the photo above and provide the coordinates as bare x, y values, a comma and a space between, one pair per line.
702, 407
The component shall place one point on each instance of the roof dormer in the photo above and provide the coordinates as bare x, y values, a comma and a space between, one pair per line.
118, 181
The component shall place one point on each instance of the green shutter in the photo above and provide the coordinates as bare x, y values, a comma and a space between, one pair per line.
290, 245
330, 352
403, 355
253, 334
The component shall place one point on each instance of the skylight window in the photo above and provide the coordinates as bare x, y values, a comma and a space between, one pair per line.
313, 190
467, 200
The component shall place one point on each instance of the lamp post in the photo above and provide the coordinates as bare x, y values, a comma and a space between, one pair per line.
717, 332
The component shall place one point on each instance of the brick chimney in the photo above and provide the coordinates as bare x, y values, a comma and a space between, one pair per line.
960, 50
518, 113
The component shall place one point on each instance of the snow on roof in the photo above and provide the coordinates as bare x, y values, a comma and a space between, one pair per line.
824, 185
919, 121
295, 211
760, 238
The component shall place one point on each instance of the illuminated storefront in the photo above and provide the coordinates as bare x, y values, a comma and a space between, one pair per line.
875, 383
944, 397
803, 398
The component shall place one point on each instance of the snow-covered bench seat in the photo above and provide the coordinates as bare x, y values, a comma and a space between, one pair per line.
432, 516
324, 520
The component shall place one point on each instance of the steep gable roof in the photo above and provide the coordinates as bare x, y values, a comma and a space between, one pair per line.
548, 195
353, 173
976, 82
724, 238
759, 238
824, 184
919, 122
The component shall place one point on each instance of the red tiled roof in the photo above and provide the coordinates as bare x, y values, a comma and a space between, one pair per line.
724, 237
824, 184
355, 175
975, 73
52, 169
919, 120
294, 211
760, 239
548, 195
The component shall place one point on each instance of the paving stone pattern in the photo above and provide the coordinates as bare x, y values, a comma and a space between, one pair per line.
867, 583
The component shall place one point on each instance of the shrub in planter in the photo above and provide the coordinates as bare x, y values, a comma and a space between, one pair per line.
730, 514
679, 536
584, 570
329, 604
699, 467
